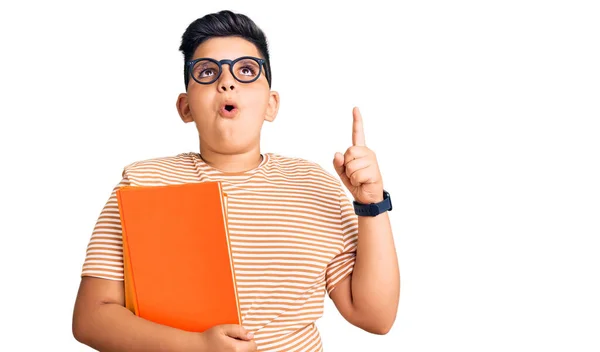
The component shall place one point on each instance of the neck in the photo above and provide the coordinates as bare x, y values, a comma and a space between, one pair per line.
237, 162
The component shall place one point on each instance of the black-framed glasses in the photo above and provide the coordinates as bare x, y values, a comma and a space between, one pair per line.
245, 69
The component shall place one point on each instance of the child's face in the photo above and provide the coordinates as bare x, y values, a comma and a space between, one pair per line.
221, 130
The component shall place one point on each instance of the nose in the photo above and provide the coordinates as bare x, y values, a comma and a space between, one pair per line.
226, 81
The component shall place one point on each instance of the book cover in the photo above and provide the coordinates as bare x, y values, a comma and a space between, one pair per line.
177, 256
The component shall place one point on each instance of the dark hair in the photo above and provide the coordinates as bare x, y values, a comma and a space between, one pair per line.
223, 24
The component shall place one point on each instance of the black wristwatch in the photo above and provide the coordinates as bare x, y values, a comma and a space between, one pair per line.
373, 209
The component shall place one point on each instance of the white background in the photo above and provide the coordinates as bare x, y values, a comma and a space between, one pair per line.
484, 117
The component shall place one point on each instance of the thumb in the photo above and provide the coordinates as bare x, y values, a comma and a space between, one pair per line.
338, 164
237, 332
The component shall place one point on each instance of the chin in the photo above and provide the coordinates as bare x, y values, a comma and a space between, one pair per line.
229, 146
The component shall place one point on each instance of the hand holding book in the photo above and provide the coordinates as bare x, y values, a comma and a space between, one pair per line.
227, 337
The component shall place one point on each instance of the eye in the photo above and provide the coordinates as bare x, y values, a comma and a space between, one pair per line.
248, 70
207, 73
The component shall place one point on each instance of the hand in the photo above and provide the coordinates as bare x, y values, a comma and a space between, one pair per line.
358, 168
225, 338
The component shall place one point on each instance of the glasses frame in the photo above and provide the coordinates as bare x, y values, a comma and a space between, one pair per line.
231, 63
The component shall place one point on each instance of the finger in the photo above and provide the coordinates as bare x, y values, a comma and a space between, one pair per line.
246, 346
362, 176
358, 133
355, 152
356, 165
237, 332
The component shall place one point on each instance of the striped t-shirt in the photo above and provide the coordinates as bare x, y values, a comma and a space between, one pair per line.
293, 236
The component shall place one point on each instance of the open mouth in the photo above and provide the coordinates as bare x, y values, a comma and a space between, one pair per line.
229, 109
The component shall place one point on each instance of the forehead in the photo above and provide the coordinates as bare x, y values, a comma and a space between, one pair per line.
220, 48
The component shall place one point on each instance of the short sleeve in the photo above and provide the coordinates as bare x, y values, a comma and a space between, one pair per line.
104, 256
342, 265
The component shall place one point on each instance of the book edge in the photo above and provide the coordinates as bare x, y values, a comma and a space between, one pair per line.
130, 304
224, 206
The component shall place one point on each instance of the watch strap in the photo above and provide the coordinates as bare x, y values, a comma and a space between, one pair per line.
373, 209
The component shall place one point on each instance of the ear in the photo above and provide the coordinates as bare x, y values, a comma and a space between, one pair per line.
273, 106
183, 108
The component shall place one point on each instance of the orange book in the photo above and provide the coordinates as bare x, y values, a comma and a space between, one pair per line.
177, 257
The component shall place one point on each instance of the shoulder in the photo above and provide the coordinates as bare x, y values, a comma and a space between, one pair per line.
296, 166
161, 168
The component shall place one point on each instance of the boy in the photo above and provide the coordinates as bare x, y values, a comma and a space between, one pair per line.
294, 233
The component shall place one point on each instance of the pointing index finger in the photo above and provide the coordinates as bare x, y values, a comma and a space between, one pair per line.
358, 133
